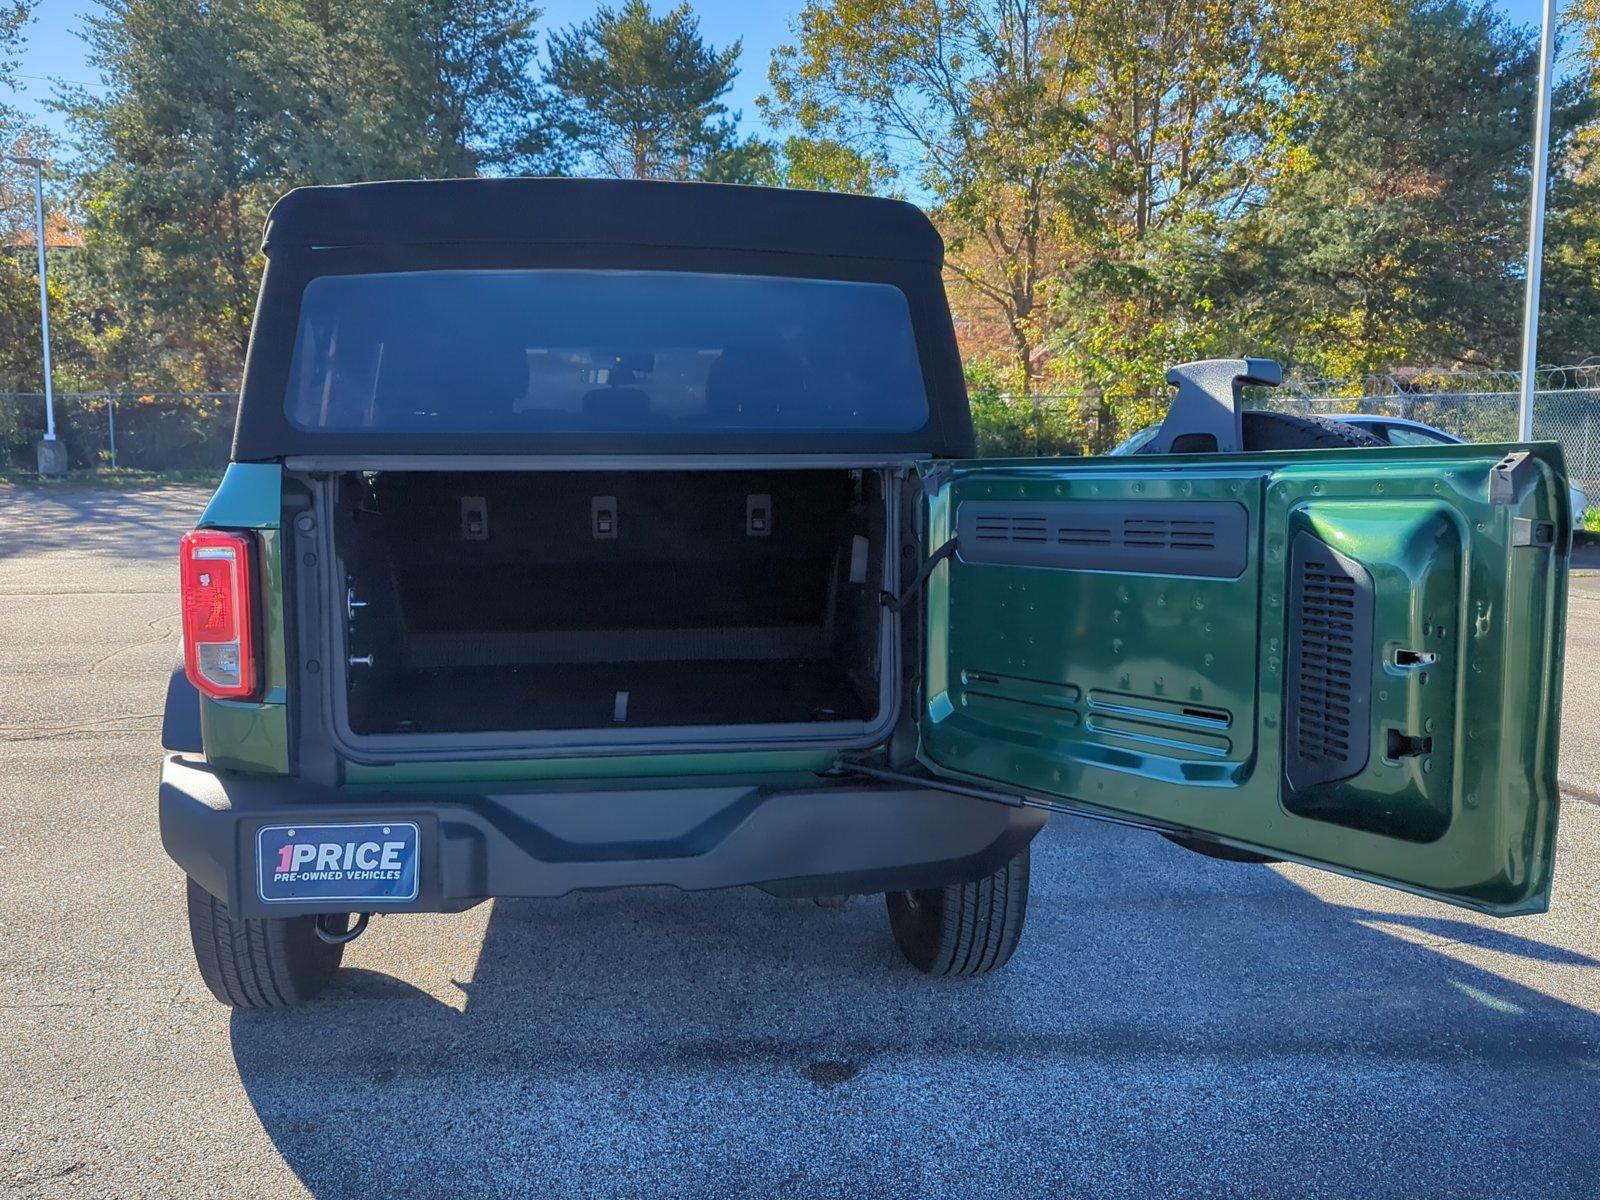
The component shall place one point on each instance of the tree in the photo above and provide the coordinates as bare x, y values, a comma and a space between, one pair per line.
641, 96
468, 72
211, 110
1053, 137
21, 365
810, 164
1569, 312
1401, 241
970, 102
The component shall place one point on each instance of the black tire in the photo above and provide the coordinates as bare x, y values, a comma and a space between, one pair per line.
274, 962
1264, 429
962, 928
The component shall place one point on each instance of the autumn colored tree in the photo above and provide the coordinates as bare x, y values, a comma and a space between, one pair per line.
1055, 139
969, 103
211, 111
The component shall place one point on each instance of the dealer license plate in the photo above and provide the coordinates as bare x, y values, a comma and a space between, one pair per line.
367, 863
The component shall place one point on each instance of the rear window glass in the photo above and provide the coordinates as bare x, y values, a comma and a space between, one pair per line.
603, 351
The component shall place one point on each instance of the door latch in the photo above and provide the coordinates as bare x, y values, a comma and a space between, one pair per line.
1526, 531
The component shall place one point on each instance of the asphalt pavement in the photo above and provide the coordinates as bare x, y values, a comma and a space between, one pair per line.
1172, 1025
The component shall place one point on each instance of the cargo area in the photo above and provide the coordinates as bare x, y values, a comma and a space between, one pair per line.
507, 602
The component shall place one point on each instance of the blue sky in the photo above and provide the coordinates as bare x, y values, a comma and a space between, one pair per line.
54, 51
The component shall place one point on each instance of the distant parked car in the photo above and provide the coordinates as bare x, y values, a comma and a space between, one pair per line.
1397, 431
1388, 431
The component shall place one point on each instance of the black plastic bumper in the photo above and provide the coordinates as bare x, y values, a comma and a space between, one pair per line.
827, 838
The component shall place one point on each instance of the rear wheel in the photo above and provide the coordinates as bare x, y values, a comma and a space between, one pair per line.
272, 962
962, 928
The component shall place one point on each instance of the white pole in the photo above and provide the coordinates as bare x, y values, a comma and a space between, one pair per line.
1541, 170
44, 305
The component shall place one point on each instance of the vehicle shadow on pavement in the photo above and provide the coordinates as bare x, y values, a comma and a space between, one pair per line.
120, 525
1171, 1024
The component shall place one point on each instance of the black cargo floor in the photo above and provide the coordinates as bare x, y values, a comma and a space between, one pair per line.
483, 699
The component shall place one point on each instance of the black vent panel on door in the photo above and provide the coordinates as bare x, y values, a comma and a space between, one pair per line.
1008, 529
1204, 538
1328, 690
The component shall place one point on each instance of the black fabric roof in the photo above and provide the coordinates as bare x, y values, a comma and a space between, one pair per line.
621, 212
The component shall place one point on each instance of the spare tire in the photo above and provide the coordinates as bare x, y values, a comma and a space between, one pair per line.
1265, 429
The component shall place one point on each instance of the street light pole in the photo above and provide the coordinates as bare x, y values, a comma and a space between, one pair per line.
1541, 171
52, 459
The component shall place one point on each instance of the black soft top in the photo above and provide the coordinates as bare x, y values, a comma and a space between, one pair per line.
500, 224
710, 216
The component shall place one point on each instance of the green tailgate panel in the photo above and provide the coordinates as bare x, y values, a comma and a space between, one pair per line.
1358, 668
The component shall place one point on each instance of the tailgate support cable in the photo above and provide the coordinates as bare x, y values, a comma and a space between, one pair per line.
1199, 843
1009, 799
896, 603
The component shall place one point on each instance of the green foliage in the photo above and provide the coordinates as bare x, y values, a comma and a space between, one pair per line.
1005, 425
19, 296
1120, 186
819, 164
1400, 240
212, 111
640, 96
1055, 136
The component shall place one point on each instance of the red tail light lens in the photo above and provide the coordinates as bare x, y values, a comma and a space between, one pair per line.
218, 585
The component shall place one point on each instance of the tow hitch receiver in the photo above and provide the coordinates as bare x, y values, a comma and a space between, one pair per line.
338, 937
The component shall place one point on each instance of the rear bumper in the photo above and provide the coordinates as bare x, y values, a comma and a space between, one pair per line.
821, 839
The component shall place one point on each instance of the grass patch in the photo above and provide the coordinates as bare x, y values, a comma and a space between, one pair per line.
110, 477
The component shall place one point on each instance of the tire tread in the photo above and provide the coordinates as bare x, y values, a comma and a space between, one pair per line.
273, 962
963, 928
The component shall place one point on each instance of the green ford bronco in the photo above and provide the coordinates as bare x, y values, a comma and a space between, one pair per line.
588, 534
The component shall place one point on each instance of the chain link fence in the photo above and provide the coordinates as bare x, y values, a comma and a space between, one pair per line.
149, 431
1477, 406
175, 431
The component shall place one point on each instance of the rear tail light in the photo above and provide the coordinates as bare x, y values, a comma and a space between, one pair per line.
218, 619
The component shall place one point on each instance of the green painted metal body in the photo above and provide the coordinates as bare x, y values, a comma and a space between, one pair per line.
1161, 697
253, 736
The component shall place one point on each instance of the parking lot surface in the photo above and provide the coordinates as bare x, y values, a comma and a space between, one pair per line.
1171, 1025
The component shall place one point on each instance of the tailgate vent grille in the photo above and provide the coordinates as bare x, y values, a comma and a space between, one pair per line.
1011, 529
1169, 535
1327, 733
1203, 538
